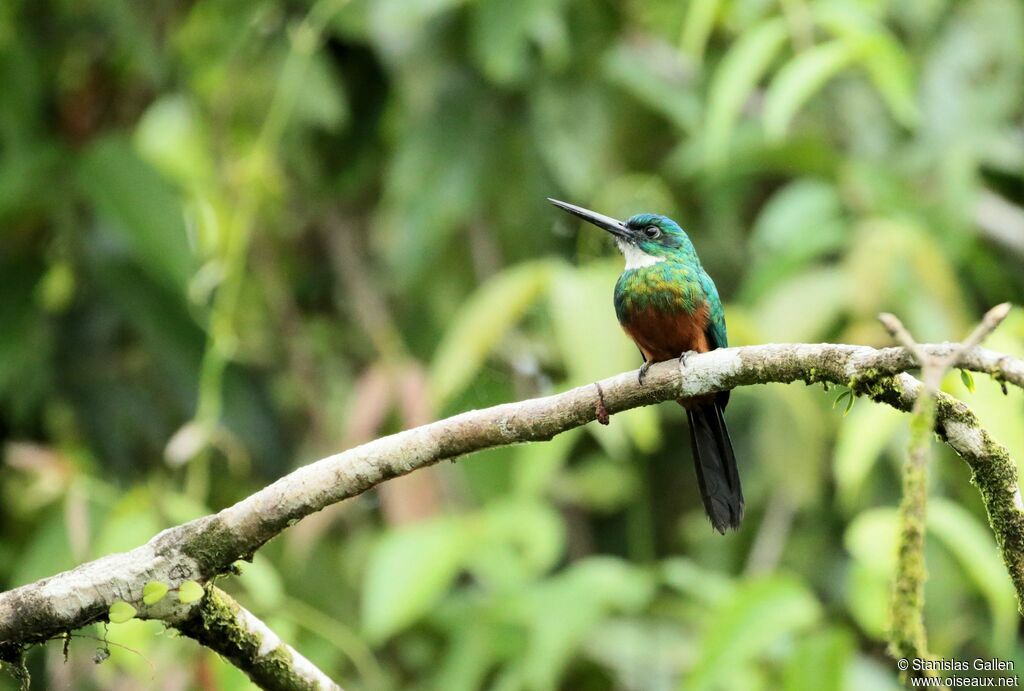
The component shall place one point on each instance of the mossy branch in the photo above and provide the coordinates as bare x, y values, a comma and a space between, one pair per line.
908, 639
207, 547
224, 626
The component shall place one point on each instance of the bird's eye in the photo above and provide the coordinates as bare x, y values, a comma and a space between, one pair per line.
652, 231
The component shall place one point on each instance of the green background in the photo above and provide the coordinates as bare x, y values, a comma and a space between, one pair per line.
238, 236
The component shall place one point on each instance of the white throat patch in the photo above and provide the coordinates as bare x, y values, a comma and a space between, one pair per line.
636, 258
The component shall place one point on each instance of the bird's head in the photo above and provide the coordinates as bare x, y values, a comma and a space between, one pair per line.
644, 239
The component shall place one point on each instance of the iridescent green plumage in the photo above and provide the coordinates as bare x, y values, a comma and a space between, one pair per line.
669, 306
677, 283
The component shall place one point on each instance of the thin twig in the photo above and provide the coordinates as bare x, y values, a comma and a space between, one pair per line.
899, 332
992, 319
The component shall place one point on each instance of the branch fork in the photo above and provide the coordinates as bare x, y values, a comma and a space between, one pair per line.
907, 631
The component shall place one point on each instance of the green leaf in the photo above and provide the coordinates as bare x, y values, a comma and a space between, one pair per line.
840, 397
889, 251
739, 72
791, 215
472, 649
624, 645
170, 135
871, 538
831, 650
867, 594
802, 308
57, 287
659, 81
861, 440
581, 311
143, 210
480, 325
27, 370
397, 24
1002, 418
190, 591
802, 222
420, 219
503, 36
562, 611
791, 417
120, 612
263, 583
889, 68
800, 79
533, 527
409, 571
129, 522
153, 592
626, 192
972, 544
598, 484
48, 547
701, 584
700, 19
25, 172
758, 614
968, 379
535, 465
887, 63
322, 100
571, 125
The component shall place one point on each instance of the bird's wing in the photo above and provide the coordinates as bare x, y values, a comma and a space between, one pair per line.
715, 332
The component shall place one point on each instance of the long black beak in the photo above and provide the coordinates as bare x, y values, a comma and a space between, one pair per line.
616, 228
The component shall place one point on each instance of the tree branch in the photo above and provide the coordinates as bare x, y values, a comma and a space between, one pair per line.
907, 632
225, 627
208, 546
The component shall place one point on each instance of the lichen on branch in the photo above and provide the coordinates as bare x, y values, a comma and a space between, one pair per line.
224, 626
907, 639
207, 547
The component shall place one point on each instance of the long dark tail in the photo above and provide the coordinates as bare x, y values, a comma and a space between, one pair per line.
717, 474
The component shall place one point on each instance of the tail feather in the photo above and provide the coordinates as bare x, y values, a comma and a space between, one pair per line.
717, 475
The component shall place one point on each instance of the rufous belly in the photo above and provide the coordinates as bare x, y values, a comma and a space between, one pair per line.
665, 335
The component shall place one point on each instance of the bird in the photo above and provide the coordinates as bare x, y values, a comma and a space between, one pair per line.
667, 303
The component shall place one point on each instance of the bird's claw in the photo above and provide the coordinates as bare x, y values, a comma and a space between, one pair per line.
683, 356
642, 374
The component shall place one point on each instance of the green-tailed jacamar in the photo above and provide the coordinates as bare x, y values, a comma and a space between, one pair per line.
669, 306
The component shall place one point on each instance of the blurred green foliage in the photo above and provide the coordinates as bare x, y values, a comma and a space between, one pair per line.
237, 236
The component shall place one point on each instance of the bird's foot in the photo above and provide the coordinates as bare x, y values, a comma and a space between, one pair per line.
684, 356
642, 374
